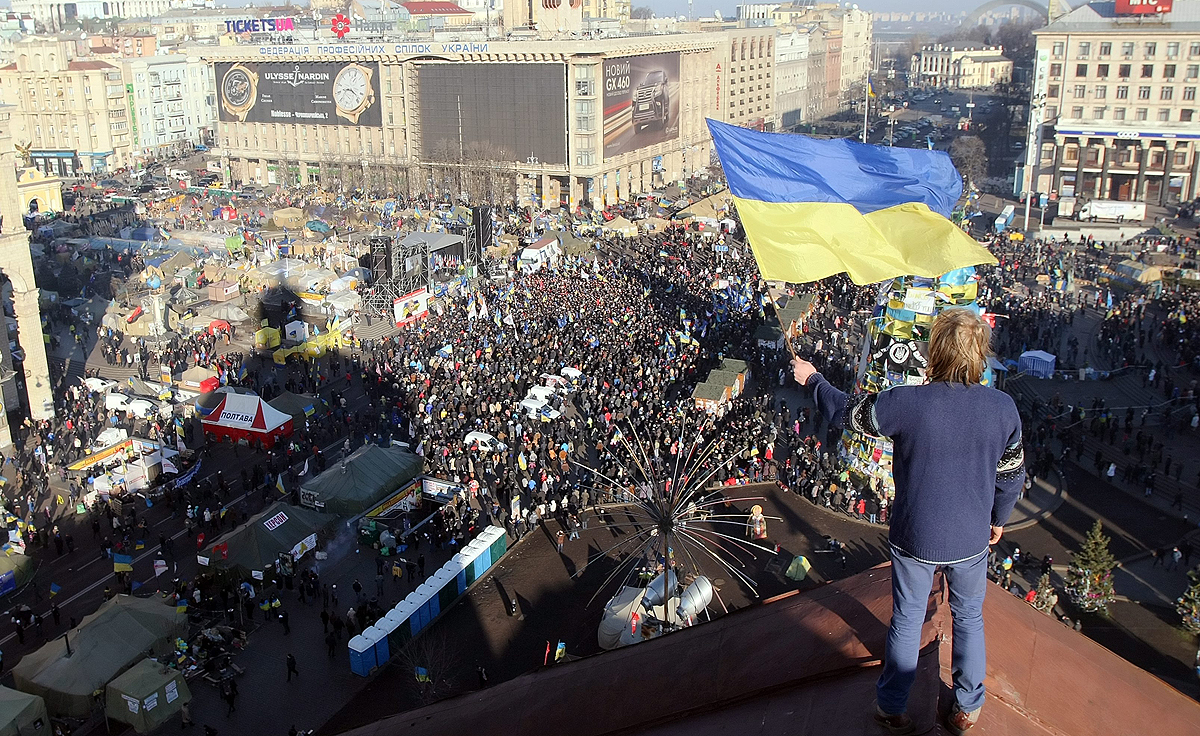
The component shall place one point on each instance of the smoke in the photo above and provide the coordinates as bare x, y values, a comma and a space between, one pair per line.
342, 544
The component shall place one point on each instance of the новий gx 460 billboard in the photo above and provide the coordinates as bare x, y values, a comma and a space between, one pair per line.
308, 93
641, 102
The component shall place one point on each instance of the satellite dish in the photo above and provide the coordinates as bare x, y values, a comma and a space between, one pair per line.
718, 16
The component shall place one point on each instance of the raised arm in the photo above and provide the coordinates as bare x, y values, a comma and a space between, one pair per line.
841, 410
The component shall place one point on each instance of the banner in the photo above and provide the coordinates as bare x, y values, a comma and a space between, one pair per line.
307, 93
641, 102
187, 477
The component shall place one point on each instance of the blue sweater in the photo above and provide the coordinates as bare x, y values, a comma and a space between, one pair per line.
957, 461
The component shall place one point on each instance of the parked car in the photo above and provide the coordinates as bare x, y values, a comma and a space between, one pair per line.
485, 441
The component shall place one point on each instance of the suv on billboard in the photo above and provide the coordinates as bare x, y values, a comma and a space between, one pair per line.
651, 101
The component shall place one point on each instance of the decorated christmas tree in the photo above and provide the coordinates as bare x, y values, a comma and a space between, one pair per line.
1044, 596
1188, 604
1090, 574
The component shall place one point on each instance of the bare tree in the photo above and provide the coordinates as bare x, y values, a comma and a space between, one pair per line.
429, 660
641, 12
970, 156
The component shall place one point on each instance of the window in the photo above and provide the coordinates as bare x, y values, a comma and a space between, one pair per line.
1151, 49
1185, 116
1127, 49
1105, 49
1143, 93
1122, 93
1194, 48
1139, 114
1058, 49
1164, 115
1077, 113
1172, 49
1169, 71
1102, 71
1119, 113
1081, 70
1147, 71
1085, 49
1051, 112
1056, 70
1080, 91
1166, 93
1098, 113
1124, 71
1193, 71
1052, 91
1189, 93
1101, 91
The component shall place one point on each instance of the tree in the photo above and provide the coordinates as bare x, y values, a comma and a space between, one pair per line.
1188, 604
1090, 574
970, 156
431, 659
641, 13
1045, 598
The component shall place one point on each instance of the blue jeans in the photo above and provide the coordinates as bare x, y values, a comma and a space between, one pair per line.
911, 583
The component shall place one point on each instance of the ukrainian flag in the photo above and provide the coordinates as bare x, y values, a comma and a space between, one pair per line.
814, 208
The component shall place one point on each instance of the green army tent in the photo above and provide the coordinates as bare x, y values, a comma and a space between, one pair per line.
146, 696
257, 544
22, 713
359, 482
102, 646
15, 571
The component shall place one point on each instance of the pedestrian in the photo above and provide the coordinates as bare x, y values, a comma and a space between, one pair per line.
358, 589
331, 644
946, 513
283, 619
483, 678
421, 565
324, 621
1176, 558
325, 596
1158, 554
559, 539
291, 667
379, 585
333, 596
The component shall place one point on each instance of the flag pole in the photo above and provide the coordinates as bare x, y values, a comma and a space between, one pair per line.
866, 106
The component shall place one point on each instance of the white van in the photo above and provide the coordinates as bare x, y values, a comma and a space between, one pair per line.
179, 174
539, 409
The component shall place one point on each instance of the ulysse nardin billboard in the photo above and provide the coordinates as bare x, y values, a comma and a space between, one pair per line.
641, 102
305, 93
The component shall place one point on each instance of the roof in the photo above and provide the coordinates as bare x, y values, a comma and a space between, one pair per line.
363, 479
19, 712
722, 377
1101, 16
709, 391
807, 664
83, 65
434, 7
245, 411
256, 544
733, 364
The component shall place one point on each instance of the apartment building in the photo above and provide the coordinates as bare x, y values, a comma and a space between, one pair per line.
960, 67
1114, 108
172, 103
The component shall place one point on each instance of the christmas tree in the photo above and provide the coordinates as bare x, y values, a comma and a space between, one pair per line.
1089, 576
1188, 604
1044, 598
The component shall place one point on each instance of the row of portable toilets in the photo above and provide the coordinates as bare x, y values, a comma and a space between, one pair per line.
376, 645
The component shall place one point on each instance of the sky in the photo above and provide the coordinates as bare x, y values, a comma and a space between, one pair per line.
706, 7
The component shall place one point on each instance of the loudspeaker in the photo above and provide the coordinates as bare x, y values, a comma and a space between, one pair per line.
481, 220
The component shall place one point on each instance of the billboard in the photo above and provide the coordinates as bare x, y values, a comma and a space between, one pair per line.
498, 111
411, 307
1142, 7
641, 102
308, 93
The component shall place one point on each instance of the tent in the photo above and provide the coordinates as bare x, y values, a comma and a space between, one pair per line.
1037, 363
15, 571
288, 217
266, 338
359, 482
621, 226
299, 406
254, 546
22, 713
248, 417
103, 646
206, 402
146, 696
344, 302
201, 378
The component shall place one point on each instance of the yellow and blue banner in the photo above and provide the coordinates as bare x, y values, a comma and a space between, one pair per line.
870, 88
814, 208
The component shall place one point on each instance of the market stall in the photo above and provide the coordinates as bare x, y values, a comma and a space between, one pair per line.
203, 379
1037, 363
361, 480
146, 696
246, 417
105, 644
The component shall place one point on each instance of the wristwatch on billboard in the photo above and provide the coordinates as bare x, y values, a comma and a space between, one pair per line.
352, 91
239, 91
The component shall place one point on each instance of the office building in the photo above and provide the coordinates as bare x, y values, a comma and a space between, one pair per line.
960, 67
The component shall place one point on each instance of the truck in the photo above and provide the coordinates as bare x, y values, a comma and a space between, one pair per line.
1005, 218
1108, 209
652, 101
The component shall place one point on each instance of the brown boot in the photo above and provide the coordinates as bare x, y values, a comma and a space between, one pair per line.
898, 723
959, 721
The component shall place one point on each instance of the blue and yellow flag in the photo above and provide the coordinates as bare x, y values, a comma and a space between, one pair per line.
815, 208
870, 88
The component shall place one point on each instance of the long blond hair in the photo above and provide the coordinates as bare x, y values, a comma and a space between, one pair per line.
958, 347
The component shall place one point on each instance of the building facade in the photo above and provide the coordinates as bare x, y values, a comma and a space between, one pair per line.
791, 80
73, 111
172, 103
614, 9
574, 120
1114, 108
960, 67
60, 16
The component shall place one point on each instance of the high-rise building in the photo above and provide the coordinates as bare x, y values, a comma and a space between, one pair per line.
172, 103
1113, 113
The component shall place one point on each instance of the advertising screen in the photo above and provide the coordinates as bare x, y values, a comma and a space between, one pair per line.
502, 112
641, 102
1142, 7
308, 93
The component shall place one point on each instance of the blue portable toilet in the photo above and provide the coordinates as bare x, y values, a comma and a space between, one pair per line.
469, 553
362, 656
458, 565
395, 622
447, 584
483, 562
380, 638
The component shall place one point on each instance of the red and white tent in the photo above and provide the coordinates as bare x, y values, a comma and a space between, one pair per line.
244, 416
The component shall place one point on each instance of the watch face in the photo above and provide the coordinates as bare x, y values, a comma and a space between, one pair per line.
236, 87
350, 88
